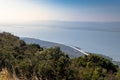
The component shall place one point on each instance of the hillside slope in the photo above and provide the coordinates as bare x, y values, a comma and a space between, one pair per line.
21, 61
72, 52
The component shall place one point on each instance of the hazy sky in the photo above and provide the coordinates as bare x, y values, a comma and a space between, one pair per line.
14, 11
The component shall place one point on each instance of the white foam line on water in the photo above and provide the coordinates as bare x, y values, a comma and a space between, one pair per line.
79, 50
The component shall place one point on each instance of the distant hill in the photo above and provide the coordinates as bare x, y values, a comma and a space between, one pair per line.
70, 50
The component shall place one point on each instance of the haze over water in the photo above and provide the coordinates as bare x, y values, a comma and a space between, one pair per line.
101, 38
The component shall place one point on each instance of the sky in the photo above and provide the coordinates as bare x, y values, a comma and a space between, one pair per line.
21, 11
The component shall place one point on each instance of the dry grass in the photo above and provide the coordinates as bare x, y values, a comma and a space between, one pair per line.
4, 75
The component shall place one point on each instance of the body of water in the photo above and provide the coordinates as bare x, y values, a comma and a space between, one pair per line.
101, 40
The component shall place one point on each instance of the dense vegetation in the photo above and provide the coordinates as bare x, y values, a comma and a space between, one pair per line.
32, 62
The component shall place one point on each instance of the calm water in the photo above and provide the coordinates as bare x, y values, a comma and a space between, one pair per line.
103, 41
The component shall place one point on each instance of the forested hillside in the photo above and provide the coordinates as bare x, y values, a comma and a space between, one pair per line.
21, 61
